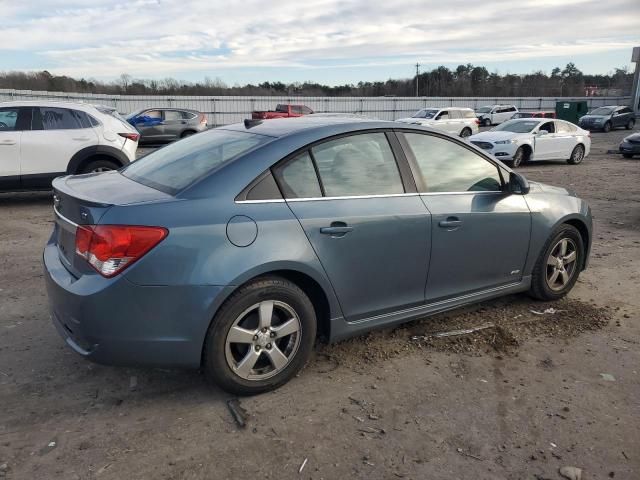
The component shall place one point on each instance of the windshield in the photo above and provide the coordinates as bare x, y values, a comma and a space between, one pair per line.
483, 109
176, 166
517, 126
602, 111
425, 113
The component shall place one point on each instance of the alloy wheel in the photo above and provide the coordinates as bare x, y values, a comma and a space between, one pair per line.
101, 169
577, 155
561, 264
263, 340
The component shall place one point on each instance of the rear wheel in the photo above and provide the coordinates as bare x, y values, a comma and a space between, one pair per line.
466, 132
187, 133
577, 155
627, 155
97, 166
630, 124
607, 127
557, 269
261, 337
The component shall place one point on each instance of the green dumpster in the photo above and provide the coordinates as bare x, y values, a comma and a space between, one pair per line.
571, 111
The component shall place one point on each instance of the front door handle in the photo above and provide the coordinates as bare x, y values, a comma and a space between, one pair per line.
337, 229
8, 142
451, 223
81, 139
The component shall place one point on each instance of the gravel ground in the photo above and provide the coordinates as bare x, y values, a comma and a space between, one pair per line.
528, 394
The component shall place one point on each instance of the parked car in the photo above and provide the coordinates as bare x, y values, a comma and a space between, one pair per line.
630, 145
606, 118
161, 125
547, 114
282, 110
495, 114
234, 249
42, 140
454, 120
523, 140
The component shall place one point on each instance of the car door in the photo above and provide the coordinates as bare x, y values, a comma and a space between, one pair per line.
150, 125
443, 121
565, 137
545, 145
480, 233
56, 135
455, 122
364, 220
10, 138
173, 124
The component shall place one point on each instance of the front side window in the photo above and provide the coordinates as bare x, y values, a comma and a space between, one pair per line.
54, 118
548, 126
153, 114
176, 166
297, 178
443, 116
425, 113
8, 119
446, 166
357, 165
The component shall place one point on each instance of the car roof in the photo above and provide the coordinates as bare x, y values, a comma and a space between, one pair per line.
281, 127
49, 103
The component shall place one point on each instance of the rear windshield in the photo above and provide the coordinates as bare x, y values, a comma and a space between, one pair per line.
178, 165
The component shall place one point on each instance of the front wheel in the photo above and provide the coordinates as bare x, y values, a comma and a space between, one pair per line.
630, 124
557, 269
627, 155
518, 157
486, 122
607, 127
261, 337
577, 155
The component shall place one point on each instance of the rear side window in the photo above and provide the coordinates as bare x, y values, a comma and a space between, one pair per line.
176, 166
455, 114
446, 166
172, 115
188, 115
357, 165
8, 119
562, 127
469, 114
297, 178
82, 119
54, 118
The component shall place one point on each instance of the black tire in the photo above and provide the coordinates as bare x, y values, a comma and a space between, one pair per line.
101, 165
466, 132
518, 158
187, 133
577, 155
627, 155
630, 124
271, 288
606, 128
540, 288
486, 122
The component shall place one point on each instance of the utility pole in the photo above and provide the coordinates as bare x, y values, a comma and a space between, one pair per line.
635, 89
417, 77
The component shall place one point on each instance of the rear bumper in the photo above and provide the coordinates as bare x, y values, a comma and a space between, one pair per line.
116, 322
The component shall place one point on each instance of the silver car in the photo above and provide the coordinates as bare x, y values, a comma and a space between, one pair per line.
160, 125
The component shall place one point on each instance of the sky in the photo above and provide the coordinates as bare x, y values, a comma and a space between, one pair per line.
325, 41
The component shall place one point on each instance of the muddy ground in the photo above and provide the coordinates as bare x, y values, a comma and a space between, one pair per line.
519, 399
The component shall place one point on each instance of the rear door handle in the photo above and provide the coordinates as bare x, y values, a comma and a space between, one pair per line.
337, 229
450, 222
81, 139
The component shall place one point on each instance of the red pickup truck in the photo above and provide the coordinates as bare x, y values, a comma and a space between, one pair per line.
282, 111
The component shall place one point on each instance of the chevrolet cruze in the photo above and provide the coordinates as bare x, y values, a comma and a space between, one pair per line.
234, 249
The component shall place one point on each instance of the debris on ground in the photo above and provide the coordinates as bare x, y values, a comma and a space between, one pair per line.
571, 473
302, 466
608, 377
454, 333
133, 383
238, 413
546, 311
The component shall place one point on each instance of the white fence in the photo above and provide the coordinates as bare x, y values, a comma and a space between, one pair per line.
225, 110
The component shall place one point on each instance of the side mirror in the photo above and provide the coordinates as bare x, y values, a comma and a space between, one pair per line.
518, 184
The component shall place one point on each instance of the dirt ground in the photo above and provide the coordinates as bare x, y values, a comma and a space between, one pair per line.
541, 387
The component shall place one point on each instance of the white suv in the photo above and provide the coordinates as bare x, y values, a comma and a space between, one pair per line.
495, 114
454, 120
43, 140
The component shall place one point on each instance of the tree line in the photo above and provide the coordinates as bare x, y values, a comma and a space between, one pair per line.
463, 81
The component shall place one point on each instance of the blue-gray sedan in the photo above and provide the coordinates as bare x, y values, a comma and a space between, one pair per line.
234, 249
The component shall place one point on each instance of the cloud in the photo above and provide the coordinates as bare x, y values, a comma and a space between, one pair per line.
155, 38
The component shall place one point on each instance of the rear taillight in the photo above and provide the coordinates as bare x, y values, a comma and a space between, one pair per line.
134, 137
203, 119
477, 121
112, 248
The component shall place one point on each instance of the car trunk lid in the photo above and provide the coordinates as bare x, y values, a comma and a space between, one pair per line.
83, 200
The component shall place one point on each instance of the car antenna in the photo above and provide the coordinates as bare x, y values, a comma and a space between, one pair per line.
249, 122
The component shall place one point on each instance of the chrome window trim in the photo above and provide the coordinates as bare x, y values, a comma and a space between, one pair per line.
358, 197
63, 218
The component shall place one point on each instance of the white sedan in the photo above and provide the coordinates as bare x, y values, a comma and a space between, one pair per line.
527, 139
